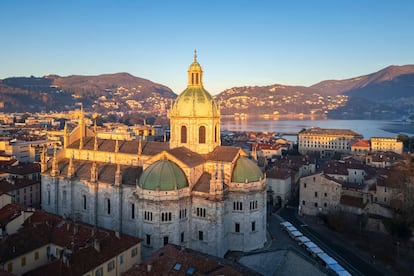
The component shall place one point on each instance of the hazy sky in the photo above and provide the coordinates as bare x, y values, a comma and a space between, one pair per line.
238, 42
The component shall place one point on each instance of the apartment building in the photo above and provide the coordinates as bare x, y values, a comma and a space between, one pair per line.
326, 141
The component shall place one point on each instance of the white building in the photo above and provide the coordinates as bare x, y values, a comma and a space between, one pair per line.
318, 193
326, 141
191, 191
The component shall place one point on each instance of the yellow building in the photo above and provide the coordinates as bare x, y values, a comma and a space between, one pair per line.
386, 144
47, 244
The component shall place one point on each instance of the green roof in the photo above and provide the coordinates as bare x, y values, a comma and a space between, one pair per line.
164, 175
195, 101
246, 171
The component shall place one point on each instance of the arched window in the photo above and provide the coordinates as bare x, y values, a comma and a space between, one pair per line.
183, 134
215, 134
202, 135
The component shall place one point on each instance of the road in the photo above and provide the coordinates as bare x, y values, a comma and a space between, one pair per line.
335, 248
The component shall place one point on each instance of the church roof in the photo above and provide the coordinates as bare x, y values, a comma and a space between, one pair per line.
203, 183
223, 153
106, 172
246, 171
163, 175
148, 147
188, 157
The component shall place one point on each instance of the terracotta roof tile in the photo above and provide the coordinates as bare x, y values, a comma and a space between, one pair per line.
223, 153
176, 260
187, 156
362, 143
10, 212
277, 173
80, 239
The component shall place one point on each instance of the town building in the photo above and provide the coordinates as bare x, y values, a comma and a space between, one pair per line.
279, 186
40, 243
173, 259
326, 141
192, 191
21, 181
361, 147
318, 193
386, 144
25, 151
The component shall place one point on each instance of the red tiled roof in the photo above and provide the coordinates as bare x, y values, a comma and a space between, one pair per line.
22, 169
80, 239
223, 153
362, 143
10, 212
18, 183
187, 156
277, 173
171, 256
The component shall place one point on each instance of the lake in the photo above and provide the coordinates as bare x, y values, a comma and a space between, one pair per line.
368, 128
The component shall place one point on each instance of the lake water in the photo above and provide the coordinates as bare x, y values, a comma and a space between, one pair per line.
368, 128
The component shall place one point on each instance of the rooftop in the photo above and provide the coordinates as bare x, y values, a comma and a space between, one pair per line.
329, 131
44, 228
176, 260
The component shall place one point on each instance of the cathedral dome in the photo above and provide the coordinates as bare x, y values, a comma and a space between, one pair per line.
246, 171
195, 101
164, 175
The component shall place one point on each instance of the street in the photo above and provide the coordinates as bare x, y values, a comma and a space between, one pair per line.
337, 249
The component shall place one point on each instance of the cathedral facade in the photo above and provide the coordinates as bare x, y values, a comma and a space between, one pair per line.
190, 191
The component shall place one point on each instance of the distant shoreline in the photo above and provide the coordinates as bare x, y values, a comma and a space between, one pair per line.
292, 116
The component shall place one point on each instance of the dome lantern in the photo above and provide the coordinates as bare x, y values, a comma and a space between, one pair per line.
195, 73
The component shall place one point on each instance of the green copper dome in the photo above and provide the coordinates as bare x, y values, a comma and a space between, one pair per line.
163, 175
195, 101
246, 171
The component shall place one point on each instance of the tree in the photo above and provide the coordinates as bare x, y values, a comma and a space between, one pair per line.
405, 139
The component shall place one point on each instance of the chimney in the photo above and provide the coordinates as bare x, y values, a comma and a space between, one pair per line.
149, 267
75, 228
118, 235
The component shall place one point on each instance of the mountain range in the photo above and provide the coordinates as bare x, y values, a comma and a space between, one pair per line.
386, 94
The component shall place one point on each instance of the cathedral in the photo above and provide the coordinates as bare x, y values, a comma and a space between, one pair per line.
190, 191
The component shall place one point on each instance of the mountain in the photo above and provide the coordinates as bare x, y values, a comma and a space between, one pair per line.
120, 92
386, 94
387, 74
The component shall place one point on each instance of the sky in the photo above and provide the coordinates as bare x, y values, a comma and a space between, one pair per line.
238, 43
